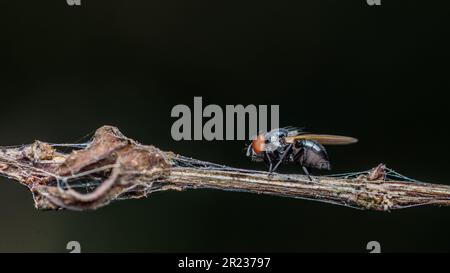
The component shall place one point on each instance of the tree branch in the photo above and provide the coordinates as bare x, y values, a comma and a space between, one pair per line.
114, 167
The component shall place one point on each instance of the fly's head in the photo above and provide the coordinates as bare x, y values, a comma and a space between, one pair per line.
256, 149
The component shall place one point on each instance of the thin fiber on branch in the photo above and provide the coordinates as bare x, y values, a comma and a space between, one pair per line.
113, 167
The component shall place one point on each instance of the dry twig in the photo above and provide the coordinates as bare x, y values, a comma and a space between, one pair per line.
121, 168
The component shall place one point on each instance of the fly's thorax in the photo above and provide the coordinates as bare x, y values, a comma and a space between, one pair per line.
275, 140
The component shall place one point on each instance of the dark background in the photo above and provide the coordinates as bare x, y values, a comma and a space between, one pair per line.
377, 73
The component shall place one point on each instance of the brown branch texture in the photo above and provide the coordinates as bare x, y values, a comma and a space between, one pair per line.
113, 167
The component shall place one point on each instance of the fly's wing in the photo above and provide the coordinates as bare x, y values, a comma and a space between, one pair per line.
294, 131
323, 139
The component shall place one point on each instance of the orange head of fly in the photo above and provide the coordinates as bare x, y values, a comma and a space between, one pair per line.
258, 144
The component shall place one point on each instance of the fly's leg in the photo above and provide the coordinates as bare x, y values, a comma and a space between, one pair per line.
285, 152
305, 170
249, 150
270, 161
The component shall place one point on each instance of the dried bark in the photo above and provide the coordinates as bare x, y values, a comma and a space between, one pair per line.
126, 169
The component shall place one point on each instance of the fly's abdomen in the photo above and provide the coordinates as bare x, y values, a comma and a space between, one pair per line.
312, 154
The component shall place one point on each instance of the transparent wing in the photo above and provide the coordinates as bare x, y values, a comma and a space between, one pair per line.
323, 139
293, 131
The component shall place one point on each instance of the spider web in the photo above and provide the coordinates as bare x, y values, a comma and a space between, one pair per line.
390, 174
88, 182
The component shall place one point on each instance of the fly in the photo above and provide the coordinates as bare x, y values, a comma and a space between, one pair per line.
287, 145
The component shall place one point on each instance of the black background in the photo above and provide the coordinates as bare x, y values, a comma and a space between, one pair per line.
342, 67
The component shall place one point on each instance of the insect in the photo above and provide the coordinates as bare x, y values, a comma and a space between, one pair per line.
290, 145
